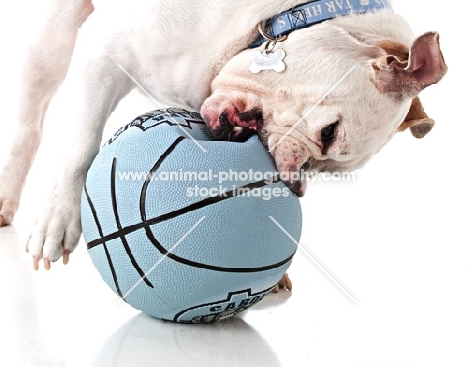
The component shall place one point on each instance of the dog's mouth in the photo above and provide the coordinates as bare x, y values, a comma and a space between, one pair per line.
291, 156
233, 125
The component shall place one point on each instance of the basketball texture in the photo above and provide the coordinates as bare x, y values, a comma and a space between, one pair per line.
185, 228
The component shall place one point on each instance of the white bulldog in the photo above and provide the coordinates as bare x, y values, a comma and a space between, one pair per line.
348, 84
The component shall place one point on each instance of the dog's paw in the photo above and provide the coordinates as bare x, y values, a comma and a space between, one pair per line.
56, 233
9, 202
8, 208
284, 283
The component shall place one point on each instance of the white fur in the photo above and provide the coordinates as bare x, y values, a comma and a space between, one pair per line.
176, 49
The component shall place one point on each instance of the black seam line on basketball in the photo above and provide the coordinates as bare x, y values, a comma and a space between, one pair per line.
192, 207
151, 173
99, 227
126, 246
196, 264
195, 206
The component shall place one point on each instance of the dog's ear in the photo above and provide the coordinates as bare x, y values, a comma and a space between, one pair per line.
417, 120
424, 66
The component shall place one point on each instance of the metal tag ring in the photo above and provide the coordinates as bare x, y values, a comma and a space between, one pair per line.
270, 46
265, 35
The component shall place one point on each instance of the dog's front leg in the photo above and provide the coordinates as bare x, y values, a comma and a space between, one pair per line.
95, 85
44, 69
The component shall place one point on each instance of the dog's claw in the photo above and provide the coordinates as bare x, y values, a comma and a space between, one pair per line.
46, 264
287, 282
36, 263
66, 257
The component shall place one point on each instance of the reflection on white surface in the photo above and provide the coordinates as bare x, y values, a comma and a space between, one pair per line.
143, 341
21, 337
45, 322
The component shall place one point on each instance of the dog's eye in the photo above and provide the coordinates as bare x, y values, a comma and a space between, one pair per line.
329, 133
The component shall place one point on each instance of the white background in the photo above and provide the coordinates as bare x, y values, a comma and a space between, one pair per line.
395, 239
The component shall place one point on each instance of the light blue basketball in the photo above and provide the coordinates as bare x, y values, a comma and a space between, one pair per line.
185, 228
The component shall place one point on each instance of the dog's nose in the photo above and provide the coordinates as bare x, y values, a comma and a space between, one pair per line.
293, 163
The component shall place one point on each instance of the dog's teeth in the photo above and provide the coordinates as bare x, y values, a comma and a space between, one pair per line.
237, 128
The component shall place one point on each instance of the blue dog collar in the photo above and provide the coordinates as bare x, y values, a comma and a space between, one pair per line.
315, 12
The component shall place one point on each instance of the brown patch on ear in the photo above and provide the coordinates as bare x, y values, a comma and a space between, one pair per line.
394, 48
402, 79
417, 120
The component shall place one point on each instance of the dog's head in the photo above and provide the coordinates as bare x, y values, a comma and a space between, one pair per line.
339, 101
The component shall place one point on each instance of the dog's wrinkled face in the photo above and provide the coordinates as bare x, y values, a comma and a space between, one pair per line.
334, 107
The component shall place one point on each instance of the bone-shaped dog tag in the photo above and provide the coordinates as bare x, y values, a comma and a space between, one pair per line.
268, 61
